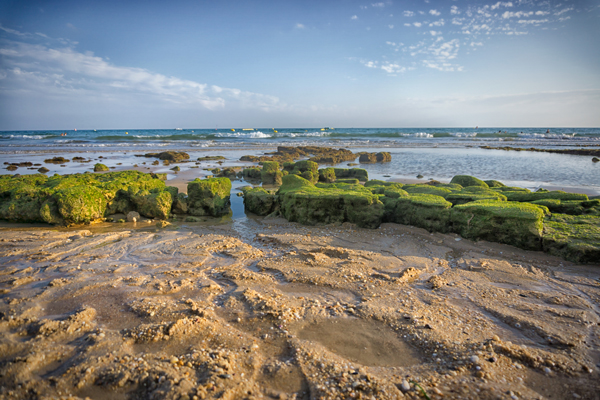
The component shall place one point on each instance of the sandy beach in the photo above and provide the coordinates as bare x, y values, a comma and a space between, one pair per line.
263, 308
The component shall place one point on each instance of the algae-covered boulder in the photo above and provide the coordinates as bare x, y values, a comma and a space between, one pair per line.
358, 173
466, 180
303, 202
100, 167
571, 207
252, 174
474, 193
575, 238
152, 204
259, 201
376, 182
72, 199
180, 204
533, 196
209, 197
514, 223
427, 189
327, 175
426, 211
493, 184
171, 156
369, 158
76, 205
270, 174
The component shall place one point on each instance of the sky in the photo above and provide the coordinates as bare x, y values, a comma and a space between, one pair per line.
89, 64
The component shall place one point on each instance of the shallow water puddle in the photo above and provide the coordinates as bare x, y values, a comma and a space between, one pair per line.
368, 343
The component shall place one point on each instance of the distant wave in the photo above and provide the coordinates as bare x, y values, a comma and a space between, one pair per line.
32, 137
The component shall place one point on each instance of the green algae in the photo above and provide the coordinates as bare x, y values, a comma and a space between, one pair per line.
426, 211
209, 197
376, 182
358, 173
493, 184
529, 196
100, 167
571, 207
467, 180
327, 175
270, 174
303, 202
474, 193
514, 223
260, 201
575, 238
73, 199
427, 189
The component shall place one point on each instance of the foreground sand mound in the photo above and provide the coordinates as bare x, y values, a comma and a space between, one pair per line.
285, 311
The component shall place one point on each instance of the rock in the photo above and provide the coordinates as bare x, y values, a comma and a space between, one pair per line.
369, 158
12, 167
43, 170
100, 167
133, 216
358, 173
466, 180
56, 160
170, 156
419, 176
211, 158
176, 168
252, 174
405, 386
595, 159
209, 197
270, 174
162, 224
474, 359
259, 201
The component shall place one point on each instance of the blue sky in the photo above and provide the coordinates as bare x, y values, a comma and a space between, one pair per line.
200, 64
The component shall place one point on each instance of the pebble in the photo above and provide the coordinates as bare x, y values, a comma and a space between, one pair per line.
405, 386
474, 359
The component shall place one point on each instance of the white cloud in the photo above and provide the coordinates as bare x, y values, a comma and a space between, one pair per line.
435, 33
380, 4
454, 10
300, 26
354, 17
435, 13
563, 11
518, 14
501, 4
417, 24
64, 71
408, 13
391, 26
441, 22
457, 21
542, 13
407, 24
532, 21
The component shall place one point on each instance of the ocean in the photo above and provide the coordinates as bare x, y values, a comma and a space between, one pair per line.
434, 153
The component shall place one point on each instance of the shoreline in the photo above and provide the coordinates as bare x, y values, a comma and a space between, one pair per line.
267, 306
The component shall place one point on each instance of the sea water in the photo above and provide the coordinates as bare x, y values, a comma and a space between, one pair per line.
434, 153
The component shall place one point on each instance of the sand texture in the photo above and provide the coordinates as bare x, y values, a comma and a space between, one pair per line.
263, 308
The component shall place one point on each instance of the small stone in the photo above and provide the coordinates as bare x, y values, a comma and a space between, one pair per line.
405, 386
474, 359
547, 371
133, 216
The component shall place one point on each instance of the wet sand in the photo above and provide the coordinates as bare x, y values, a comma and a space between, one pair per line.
262, 308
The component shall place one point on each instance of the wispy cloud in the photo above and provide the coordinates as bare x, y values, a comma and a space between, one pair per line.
64, 71
408, 13
435, 13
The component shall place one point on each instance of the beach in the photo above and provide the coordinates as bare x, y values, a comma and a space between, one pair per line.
263, 308
258, 307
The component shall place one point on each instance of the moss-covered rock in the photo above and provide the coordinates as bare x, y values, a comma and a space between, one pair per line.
303, 202
493, 184
427, 189
369, 158
100, 167
376, 182
180, 204
209, 197
327, 175
270, 174
514, 223
358, 173
467, 180
575, 238
152, 204
426, 211
260, 201
571, 207
556, 194
71, 199
252, 174
474, 193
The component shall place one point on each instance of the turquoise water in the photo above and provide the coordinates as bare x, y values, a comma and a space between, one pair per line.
432, 152
92, 140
